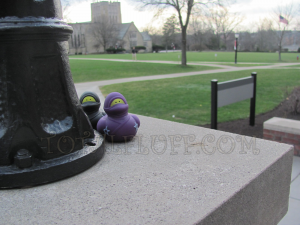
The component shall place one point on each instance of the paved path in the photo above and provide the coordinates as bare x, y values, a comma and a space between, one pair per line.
157, 61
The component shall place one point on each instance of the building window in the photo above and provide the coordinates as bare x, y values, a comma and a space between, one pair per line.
145, 44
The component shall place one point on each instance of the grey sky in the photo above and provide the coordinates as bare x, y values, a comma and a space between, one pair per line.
252, 10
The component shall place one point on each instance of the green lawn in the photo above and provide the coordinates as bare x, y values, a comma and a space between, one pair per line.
90, 70
188, 98
204, 56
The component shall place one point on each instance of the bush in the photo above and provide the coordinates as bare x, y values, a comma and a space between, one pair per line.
113, 50
140, 48
156, 48
298, 49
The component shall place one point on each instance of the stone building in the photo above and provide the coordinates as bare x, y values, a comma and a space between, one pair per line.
86, 38
147, 41
111, 10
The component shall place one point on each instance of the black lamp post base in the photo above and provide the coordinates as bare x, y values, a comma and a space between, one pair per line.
46, 171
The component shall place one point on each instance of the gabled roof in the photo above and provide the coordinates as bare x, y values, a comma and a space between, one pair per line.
123, 28
146, 36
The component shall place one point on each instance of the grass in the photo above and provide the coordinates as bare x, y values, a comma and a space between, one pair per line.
258, 57
90, 70
188, 98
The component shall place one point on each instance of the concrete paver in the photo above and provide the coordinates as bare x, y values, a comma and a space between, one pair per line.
296, 167
295, 189
293, 216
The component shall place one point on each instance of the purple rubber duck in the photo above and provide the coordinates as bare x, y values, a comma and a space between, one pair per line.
118, 123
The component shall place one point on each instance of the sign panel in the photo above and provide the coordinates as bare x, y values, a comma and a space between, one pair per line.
234, 91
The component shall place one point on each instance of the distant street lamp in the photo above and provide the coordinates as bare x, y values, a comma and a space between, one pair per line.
236, 46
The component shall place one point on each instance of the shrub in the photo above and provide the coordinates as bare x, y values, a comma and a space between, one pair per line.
140, 48
156, 48
113, 50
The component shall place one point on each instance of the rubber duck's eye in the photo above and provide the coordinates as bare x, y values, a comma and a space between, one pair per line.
117, 101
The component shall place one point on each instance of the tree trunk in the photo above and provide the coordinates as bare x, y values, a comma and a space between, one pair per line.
183, 48
279, 52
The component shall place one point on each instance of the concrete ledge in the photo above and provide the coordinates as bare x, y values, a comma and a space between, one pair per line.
170, 174
283, 125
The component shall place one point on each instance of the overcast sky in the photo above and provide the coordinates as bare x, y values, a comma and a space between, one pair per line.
253, 10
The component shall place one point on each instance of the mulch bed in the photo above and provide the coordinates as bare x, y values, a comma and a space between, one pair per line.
289, 108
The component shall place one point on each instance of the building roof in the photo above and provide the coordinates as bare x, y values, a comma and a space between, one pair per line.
146, 36
123, 28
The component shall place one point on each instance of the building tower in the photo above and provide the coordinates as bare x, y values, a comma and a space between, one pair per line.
109, 10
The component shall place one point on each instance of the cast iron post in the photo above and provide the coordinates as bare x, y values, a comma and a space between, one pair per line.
44, 133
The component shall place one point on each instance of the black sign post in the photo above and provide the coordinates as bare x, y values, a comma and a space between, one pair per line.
232, 91
253, 100
214, 104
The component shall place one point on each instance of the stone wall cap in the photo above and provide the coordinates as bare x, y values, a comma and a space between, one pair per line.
283, 125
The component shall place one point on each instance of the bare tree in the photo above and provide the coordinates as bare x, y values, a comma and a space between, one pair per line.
198, 31
266, 35
283, 15
170, 28
184, 9
65, 5
155, 34
105, 33
247, 41
223, 23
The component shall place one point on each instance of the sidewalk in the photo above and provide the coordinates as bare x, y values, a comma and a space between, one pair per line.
293, 216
